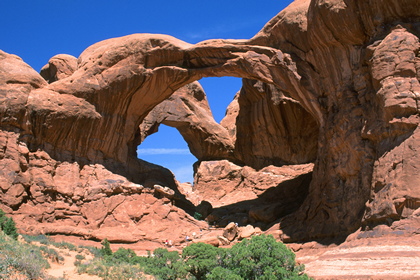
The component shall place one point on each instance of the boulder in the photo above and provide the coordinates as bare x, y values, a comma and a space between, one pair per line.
231, 231
223, 240
246, 232
212, 240
59, 67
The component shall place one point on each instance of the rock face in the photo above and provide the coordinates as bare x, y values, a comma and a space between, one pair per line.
52, 197
367, 89
260, 119
331, 82
188, 111
59, 67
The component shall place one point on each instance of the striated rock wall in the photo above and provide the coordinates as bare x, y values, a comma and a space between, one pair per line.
333, 81
267, 120
367, 89
47, 196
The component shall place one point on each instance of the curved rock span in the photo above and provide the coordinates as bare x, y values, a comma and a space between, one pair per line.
330, 84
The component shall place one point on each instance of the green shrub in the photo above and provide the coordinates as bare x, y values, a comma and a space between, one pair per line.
260, 258
7, 225
223, 273
106, 248
198, 216
122, 255
164, 265
200, 259
79, 257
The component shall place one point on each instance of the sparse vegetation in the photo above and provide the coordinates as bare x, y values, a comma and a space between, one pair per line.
261, 257
106, 248
20, 258
45, 240
51, 254
95, 251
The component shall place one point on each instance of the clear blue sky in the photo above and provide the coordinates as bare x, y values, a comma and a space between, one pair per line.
38, 30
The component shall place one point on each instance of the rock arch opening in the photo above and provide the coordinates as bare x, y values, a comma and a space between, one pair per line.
192, 111
255, 166
167, 148
220, 92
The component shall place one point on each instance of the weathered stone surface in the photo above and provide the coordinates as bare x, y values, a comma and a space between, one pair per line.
188, 111
17, 79
266, 120
392, 257
52, 197
212, 240
59, 67
253, 197
269, 119
365, 112
231, 231
246, 232
223, 183
223, 240
316, 88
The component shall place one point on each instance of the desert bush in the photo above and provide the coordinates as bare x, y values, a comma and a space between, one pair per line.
259, 258
122, 255
7, 225
79, 257
64, 245
46, 240
106, 248
200, 259
223, 273
164, 265
20, 258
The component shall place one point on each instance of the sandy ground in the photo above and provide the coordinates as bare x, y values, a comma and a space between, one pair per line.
66, 269
364, 259
375, 258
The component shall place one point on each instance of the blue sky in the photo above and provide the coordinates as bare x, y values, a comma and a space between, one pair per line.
38, 30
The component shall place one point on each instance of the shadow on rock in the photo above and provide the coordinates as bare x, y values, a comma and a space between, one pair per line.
267, 209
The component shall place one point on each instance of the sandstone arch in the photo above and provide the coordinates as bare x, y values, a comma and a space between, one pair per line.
146, 69
257, 122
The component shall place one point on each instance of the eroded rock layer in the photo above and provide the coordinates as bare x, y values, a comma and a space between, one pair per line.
331, 82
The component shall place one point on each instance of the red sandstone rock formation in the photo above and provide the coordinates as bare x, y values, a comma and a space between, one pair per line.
59, 67
367, 90
188, 111
334, 82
